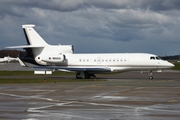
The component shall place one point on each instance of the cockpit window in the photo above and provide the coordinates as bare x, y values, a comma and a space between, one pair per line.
155, 58
152, 58
158, 58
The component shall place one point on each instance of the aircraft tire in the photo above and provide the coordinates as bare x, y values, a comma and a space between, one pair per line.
87, 75
150, 77
78, 76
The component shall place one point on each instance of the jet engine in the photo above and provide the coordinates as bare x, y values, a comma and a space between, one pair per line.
64, 48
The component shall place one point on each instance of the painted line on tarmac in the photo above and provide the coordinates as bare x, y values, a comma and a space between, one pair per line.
29, 97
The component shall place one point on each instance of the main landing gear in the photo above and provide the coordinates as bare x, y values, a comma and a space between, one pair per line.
85, 75
150, 75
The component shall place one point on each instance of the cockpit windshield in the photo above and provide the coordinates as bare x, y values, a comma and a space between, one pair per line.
158, 58
155, 58
152, 58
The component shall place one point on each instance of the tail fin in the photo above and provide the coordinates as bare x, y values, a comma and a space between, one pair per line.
32, 37
36, 47
35, 42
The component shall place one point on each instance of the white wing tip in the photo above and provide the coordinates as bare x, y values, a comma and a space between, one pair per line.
28, 26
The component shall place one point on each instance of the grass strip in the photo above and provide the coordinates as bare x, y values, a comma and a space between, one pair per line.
177, 66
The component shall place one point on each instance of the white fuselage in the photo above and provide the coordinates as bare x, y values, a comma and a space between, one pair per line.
115, 61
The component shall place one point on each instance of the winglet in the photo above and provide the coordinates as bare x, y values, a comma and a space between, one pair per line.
28, 26
21, 62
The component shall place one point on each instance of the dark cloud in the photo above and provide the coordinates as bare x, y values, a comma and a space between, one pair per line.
161, 5
73, 5
121, 26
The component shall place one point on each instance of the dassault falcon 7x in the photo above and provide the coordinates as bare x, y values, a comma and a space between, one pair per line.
61, 57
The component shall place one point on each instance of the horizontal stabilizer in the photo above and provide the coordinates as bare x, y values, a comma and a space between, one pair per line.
28, 26
27, 46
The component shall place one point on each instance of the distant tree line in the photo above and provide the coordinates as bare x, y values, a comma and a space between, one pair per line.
11, 53
174, 57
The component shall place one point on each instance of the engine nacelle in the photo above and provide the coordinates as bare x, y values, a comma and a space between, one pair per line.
54, 58
65, 48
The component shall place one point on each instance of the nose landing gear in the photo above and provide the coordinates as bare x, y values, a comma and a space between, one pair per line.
150, 75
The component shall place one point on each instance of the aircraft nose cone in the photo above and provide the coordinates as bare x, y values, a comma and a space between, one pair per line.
171, 65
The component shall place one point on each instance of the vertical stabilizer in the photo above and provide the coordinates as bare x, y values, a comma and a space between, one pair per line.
32, 37
36, 42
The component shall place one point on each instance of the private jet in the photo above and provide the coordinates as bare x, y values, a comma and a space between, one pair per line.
63, 58
8, 59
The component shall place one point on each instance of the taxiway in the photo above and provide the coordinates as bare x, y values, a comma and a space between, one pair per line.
126, 96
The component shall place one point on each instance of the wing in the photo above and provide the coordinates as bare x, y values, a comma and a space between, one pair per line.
76, 68
70, 68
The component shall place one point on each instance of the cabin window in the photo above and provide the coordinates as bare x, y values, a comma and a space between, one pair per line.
80, 60
49, 58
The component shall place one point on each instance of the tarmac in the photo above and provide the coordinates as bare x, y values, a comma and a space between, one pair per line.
126, 96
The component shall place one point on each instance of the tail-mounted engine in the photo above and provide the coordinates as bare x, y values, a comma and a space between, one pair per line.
65, 48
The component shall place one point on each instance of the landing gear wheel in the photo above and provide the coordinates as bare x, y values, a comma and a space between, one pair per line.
87, 75
78, 76
92, 75
150, 77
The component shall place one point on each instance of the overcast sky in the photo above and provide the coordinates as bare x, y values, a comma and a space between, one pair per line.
145, 26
